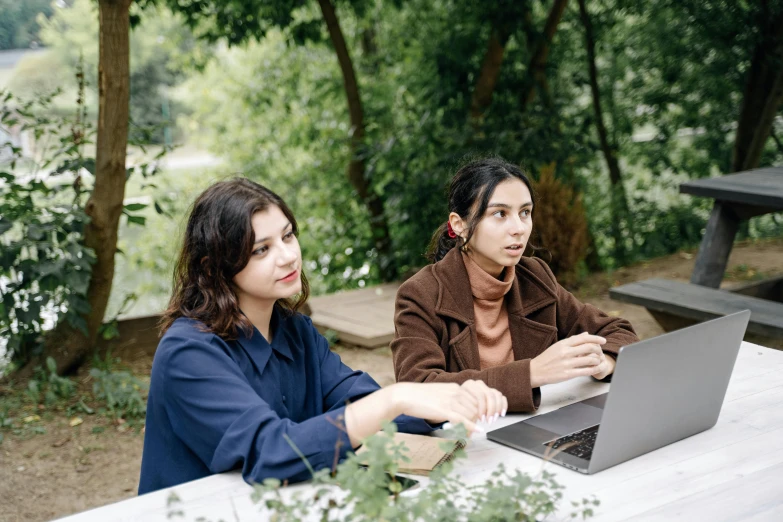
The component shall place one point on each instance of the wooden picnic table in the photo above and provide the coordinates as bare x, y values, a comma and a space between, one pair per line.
674, 304
738, 197
733, 471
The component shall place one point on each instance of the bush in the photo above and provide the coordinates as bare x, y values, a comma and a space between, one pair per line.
44, 266
560, 225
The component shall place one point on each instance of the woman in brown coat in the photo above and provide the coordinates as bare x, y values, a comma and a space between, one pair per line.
483, 311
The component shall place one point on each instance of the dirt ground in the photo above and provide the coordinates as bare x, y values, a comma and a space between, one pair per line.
70, 469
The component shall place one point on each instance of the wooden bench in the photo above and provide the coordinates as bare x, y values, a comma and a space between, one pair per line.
675, 305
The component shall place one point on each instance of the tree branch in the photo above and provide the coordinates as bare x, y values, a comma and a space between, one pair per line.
488, 77
356, 166
537, 65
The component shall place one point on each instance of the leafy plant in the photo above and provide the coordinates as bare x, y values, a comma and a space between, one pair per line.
47, 387
120, 391
44, 267
368, 489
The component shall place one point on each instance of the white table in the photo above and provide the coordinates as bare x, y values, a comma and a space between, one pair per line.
733, 471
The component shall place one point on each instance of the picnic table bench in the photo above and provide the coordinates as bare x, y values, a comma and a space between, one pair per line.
738, 197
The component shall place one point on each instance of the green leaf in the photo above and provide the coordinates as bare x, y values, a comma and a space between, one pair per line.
78, 281
138, 220
133, 207
110, 331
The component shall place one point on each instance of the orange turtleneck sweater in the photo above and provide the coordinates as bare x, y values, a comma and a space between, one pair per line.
491, 316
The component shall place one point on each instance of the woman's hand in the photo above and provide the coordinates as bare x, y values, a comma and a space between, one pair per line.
575, 356
439, 402
491, 403
606, 367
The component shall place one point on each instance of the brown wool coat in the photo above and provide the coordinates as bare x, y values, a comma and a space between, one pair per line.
435, 335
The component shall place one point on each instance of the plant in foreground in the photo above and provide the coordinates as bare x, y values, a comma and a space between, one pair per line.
366, 488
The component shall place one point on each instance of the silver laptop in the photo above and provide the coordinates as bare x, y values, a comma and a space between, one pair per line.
663, 390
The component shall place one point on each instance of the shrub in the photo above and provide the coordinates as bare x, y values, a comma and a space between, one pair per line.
560, 225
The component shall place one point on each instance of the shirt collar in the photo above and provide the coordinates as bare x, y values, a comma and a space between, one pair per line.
257, 345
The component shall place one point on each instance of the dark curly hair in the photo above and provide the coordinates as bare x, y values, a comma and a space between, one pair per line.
217, 245
469, 194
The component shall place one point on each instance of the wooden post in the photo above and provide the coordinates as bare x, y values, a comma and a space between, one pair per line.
715, 246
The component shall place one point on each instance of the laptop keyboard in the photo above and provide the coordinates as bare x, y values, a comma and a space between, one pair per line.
580, 443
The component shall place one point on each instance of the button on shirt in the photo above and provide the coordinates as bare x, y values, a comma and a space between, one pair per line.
217, 405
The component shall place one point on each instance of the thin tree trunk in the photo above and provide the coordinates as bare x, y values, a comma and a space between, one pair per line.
618, 203
356, 166
762, 97
538, 59
766, 121
488, 77
68, 346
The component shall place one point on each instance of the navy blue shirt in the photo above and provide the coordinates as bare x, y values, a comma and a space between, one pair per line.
218, 405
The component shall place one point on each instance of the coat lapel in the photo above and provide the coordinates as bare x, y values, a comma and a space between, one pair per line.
455, 301
527, 295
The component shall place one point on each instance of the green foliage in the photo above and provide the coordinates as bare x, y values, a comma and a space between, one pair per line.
368, 489
47, 387
162, 49
115, 394
671, 75
331, 336
122, 394
19, 23
44, 266
20, 413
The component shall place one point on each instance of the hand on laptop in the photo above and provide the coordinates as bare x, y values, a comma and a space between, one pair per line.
575, 356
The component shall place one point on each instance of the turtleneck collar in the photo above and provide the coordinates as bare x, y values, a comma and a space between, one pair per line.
484, 286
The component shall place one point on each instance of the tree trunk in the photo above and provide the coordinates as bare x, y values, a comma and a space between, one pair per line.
766, 120
68, 346
538, 59
763, 95
618, 203
356, 167
487, 79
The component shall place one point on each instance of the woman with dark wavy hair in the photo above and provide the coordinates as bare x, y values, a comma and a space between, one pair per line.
241, 380
484, 311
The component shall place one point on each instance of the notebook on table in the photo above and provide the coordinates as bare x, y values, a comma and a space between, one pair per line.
425, 453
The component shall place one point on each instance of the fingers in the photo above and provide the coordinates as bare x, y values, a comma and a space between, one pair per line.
585, 349
500, 402
491, 402
474, 389
584, 338
470, 426
590, 360
584, 371
465, 409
